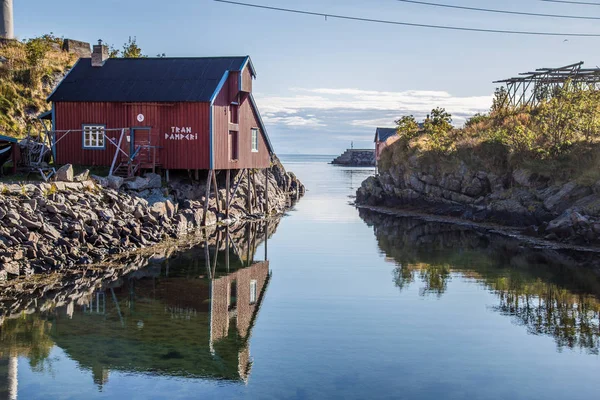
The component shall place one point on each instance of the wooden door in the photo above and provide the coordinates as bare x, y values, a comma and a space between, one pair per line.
141, 140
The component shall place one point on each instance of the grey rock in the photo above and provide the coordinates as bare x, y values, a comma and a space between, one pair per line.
562, 195
561, 226
65, 173
154, 181
114, 182
82, 177
158, 209
30, 224
137, 183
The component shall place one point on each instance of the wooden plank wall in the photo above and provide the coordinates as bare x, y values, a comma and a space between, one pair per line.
178, 152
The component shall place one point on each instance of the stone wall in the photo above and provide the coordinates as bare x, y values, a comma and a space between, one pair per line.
81, 49
356, 158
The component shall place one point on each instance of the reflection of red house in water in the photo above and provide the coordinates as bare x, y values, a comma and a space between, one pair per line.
191, 315
236, 295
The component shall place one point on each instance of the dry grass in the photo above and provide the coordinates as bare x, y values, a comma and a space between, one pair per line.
24, 87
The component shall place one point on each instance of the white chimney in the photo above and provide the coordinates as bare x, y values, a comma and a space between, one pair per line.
99, 55
6, 20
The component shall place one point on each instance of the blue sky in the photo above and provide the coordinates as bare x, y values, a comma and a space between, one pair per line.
322, 84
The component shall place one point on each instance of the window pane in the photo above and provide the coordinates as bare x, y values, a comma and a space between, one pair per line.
93, 136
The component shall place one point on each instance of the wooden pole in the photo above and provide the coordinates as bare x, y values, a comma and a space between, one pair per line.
114, 161
249, 197
207, 257
227, 248
254, 190
248, 244
267, 192
214, 268
237, 184
227, 183
207, 196
266, 239
216, 189
154, 160
167, 175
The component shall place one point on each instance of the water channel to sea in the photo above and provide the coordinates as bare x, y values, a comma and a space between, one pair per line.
329, 302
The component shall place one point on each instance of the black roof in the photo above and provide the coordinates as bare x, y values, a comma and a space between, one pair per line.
382, 134
146, 79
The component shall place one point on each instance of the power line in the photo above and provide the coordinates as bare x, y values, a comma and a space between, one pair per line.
388, 22
585, 3
531, 14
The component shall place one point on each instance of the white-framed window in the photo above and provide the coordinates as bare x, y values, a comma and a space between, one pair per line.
93, 137
255, 140
253, 291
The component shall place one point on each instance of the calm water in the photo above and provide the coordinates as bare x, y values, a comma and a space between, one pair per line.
349, 305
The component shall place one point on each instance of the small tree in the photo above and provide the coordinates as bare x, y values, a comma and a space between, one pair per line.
35, 51
132, 50
439, 121
407, 127
500, 101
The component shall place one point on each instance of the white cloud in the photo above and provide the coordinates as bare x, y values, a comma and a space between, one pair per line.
341, 115
412, 101
297, 120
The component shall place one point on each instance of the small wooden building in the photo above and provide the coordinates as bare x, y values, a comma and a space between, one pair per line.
383, 138
167, 113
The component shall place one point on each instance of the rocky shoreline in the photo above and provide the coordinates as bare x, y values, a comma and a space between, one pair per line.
565, 212
51, 226
68, 286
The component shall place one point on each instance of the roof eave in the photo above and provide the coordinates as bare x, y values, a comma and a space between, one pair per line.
49, 98
261, 123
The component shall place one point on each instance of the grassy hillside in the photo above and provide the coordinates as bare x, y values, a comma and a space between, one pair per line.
558, 139
27, 77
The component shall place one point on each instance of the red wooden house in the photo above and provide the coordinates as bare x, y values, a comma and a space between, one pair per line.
171, 113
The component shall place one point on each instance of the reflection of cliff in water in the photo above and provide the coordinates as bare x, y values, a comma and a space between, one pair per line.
188, 315
549, 292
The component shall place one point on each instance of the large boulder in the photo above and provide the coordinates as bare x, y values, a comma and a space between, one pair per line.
154, 181
563, 199
138, 183
65, 173
114, 182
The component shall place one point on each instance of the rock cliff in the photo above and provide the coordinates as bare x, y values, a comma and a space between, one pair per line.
544, 207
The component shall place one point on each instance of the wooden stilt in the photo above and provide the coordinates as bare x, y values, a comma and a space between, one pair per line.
214, 268
255, 197
207, 258
254, 244
267, 192
266, 239
235, 187
227, 248
197, 174
249, 197
248, 244
207, 196
216, 190
167, 175
227, 183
